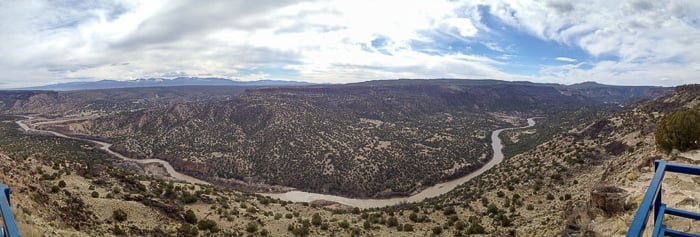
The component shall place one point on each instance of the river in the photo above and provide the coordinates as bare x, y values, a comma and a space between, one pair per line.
301, 196
106, 147
432, 191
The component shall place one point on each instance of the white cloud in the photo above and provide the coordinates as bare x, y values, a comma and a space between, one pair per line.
565, 59
652, 39
620, 73
331, 41
632, 30
322, 40
463, 25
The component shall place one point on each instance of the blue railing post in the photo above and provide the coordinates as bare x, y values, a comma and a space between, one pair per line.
657, 199
9, 225
652, 199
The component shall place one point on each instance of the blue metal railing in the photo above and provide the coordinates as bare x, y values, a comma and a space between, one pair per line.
9, 227
652, 199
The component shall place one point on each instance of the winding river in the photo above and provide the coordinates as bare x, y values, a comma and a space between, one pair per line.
105, 147
301, 196
432, 191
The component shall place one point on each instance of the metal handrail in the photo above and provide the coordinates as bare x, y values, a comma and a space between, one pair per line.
652, 199
9, 226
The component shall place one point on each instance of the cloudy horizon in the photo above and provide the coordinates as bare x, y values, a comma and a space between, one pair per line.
340, 41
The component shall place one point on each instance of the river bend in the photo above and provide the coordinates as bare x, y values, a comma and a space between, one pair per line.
301, 196
432, 191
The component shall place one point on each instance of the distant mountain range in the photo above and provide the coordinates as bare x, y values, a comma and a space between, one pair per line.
161, 82
592, 91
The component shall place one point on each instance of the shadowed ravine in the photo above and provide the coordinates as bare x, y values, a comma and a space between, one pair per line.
301, 196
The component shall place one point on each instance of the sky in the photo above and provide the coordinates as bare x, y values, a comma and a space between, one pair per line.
339, 41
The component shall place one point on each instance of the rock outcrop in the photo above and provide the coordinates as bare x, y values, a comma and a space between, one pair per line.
610, 199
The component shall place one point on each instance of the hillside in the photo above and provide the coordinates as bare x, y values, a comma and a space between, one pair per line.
70, 188
61, 103
371, 139
547, 189
544, 191
590, 90
161, 82
611, 94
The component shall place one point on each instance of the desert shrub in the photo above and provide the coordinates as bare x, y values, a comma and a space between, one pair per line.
679, 130
616, 148
188, 230
301, 231
189, 198
503, 220
437, 230
344, 224
500, 194
251, 227
190, 217
119, 215
316, 219
413, 217
449, 211
492, 209
251, 210
118, 231
392, 221
475, 228
207, 224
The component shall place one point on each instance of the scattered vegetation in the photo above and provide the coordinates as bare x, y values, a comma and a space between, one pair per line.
679, 130
119, 215
498, 203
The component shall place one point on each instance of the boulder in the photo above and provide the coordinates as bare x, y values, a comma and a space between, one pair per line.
609, 198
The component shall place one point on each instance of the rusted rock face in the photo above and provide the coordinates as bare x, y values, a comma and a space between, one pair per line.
609, 198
